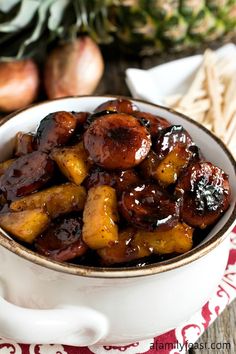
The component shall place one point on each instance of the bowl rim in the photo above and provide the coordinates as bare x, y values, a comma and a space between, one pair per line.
123, 272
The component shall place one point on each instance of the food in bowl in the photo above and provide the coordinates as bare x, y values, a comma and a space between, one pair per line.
114, 187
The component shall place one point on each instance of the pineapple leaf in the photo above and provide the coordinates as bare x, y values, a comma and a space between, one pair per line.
140, 26
40, 26
56, 13
26, 12
92, 18
7, 5
81, 7
99, 25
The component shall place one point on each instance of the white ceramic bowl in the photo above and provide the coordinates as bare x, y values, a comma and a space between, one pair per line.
49, 302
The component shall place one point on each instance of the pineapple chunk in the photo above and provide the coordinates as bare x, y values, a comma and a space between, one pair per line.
176, 240
72, 162
55, 200
123, 251
100, 216
169, 169
25, 225
135, 244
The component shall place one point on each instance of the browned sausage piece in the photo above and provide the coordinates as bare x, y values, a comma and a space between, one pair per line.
126, 179
149, 207
206, 194
117, 141
80, 117
26, 175
170, 137
92, 117
153, 123
24, 144
62, 241
149, 166
99, 177
5, 165
119, 180
119, 105
55, 130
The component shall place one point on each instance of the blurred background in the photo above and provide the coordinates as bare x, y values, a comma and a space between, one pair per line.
56, 48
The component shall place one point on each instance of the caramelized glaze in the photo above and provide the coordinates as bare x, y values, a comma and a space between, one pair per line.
117, 141
206, 194
149, 207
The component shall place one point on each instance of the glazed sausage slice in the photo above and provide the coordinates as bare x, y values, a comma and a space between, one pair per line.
55, 130
149, 207
125, 179
92, 117
119, 180
206, 194
117, 141
80, 117
149, 166
99, 177
5, 165
119, 105
153, 123
62, 240
170, 137
26, 175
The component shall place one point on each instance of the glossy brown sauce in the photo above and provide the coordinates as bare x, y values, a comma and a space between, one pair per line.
160, 177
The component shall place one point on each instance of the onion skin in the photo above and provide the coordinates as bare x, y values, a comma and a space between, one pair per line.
19, 84
73, 69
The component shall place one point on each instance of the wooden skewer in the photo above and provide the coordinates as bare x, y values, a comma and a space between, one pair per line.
197, 109
173, 100
208, 126
197, 82
225, 66
212, 82
232, 147
229, 105
198, 116
211, 98
231, 131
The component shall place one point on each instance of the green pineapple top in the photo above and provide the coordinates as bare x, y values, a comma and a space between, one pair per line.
27, 26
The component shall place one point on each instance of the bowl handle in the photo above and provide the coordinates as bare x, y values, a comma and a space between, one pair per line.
71, 325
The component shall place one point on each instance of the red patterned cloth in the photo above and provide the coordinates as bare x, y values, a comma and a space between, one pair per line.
176, 341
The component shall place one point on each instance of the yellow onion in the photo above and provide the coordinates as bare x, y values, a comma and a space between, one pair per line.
73, 69
19, 83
